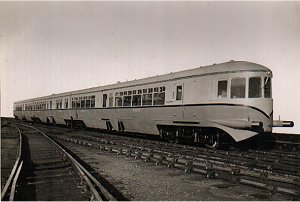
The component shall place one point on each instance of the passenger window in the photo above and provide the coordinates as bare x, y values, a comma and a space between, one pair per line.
111, 99
88, 103
82, 103
127, 101
119, 101
73, 103
104, 100
159, 98
222, 89
93, 101
136, 100
179, 93
147, 99
66, 104
267, 87
254, 87
77, 103
238, 88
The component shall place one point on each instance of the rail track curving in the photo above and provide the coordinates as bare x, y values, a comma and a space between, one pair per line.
277, 171
46, 171
11, 146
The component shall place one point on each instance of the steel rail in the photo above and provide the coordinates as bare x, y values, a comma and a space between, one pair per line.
263, 176
13, 189
83, 172
215, 168
262, 161
14, 170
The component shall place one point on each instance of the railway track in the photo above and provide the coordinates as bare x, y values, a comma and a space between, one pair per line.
11, 146
271, 170
286, 141
281, 161
46, 171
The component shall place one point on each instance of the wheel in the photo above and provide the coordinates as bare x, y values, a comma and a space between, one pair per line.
168, 134
213, 140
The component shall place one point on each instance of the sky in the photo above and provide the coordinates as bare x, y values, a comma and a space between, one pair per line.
54, 47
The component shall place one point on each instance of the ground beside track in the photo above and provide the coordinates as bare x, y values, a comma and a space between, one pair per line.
139, 180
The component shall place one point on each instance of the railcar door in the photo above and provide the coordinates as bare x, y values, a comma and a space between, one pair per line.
178, 100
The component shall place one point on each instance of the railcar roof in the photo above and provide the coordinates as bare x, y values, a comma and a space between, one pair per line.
231, 66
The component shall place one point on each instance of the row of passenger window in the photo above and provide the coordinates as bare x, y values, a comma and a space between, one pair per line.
34, 106
28, 106
146, 96
83, 102
77, 102
156, 96
58, 104
138, 100
141, 91
238, 88
18, 107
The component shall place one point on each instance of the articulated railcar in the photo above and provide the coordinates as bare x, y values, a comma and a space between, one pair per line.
213, 104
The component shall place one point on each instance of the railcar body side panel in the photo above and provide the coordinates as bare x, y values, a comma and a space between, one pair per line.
146, 119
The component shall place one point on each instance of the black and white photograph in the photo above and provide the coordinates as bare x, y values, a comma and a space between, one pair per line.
150, 100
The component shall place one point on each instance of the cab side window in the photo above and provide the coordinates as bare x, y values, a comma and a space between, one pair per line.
267, 87
222, 89
238, 88
254, 87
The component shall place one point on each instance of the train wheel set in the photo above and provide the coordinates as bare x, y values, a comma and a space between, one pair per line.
210, 137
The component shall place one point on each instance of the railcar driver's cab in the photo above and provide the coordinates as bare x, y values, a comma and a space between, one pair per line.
253, 89
244, 87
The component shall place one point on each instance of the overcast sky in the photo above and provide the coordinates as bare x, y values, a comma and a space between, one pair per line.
54, 47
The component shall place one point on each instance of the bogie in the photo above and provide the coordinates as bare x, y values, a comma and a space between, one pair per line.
210, 137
